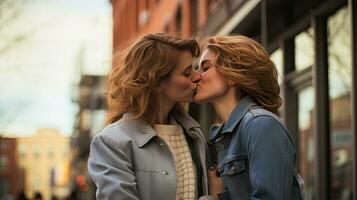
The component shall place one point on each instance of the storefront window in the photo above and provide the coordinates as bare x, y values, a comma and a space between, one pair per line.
306, 140
340, 70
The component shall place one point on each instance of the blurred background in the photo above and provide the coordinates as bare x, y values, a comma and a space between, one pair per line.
55, 55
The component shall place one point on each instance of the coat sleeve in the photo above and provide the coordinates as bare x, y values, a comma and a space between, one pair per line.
271, 158
111, 171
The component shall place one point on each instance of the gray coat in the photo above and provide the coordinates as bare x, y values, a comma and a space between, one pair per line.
128, 161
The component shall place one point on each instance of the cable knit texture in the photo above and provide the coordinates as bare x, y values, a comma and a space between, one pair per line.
185, 172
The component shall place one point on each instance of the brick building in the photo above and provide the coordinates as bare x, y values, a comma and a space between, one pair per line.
133, 18
11, 176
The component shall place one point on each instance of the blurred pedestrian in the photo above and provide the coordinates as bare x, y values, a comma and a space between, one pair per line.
152, 148
37, 196
21, 196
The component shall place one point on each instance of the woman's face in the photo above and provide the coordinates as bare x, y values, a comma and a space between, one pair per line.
179, 87
211, 85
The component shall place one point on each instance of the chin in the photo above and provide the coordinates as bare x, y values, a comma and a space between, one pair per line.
199, 99
189, 101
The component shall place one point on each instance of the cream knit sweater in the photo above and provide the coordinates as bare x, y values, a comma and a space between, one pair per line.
185, 171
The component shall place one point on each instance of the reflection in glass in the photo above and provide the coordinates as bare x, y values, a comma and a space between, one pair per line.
304, 50
306, 140
340, 62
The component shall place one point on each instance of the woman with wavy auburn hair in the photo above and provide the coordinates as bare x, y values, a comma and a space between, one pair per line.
151, 148
255, 155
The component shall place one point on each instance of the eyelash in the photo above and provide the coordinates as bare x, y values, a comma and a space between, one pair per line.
205, 68
187, 74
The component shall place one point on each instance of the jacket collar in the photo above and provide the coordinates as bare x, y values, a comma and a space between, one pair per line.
143, 132
235, 117
186, 121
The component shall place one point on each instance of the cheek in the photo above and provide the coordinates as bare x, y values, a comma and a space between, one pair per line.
212, 86
180, 89
213, 80
182, 84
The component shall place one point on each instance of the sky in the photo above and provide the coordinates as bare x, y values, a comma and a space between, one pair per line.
38, 74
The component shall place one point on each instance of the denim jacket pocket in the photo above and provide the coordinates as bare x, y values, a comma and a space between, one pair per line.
235, 175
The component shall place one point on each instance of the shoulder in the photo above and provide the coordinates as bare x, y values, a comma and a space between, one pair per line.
261, 124
260, 117
117, 134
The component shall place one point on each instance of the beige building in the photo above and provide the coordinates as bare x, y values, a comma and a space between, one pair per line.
44, 158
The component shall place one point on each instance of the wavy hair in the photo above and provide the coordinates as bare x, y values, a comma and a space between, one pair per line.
246, 64
138, 70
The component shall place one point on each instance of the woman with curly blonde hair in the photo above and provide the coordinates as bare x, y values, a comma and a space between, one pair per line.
151, 148
255, 155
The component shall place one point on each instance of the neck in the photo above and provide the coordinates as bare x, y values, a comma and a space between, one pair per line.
225, 105
165, 106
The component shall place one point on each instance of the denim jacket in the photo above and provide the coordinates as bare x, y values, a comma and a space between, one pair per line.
255, 155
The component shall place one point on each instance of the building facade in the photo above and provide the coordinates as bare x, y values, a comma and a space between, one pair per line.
314, 46
134, 18
44, 157
11, 176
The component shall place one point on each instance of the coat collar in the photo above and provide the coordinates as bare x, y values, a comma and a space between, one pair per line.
143, 132
235, 117
186, 121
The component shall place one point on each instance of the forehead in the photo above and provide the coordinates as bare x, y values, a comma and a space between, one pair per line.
185, 56
185, 60
207, 55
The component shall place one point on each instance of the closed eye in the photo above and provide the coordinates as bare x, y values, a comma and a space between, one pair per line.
205, 68
187, 71
187, 75
205, 65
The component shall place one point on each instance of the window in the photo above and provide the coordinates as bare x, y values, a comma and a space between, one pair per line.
50, 152
4, 162
4, 187
340, 82
277, 58
306, 139
21, 149
4, 144
304, 50
36, 151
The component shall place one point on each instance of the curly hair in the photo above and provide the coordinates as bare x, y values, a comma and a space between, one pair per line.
246, 64
138, 70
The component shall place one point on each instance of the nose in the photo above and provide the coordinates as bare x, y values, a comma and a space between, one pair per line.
196, 76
